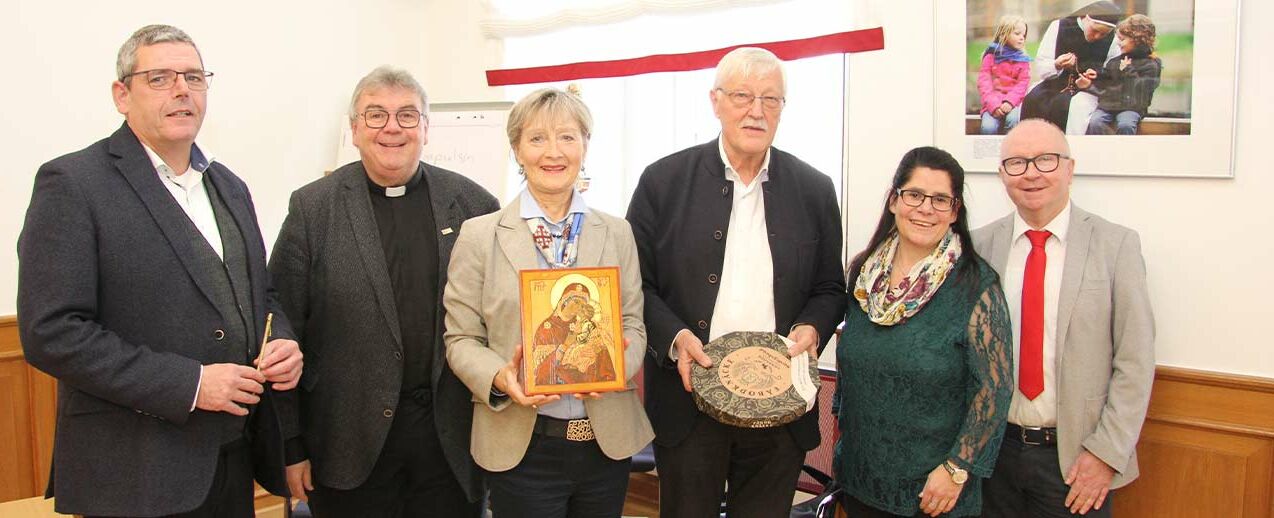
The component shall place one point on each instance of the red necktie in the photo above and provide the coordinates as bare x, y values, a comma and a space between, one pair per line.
1030, 376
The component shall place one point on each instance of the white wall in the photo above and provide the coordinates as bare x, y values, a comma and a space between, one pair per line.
1207, 242
285, 70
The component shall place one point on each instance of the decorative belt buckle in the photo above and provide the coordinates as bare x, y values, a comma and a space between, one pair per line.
579, 430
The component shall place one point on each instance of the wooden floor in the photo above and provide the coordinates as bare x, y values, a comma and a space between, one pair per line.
643, 496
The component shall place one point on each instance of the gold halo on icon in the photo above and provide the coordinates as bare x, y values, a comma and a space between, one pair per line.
569, 279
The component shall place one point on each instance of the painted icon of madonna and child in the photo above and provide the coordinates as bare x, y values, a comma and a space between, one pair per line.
574, 330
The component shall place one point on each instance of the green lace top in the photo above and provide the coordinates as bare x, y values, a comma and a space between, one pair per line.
912, 395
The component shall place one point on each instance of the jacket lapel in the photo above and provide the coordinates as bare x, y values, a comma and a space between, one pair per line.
358, 207
592, 241
515, 238
1078, 238
1001, 242
135, 166
448, 216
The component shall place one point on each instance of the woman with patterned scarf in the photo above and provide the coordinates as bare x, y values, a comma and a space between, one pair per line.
547, 456
925, 365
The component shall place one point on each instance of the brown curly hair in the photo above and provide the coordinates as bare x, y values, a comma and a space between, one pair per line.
1139, 29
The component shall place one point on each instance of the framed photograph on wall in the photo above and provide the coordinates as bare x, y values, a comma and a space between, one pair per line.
572, 331
1142, 87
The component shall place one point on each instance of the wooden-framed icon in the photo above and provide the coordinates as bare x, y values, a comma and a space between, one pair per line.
572, 331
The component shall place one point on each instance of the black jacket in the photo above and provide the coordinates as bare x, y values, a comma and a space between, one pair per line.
680, 214
1130, 89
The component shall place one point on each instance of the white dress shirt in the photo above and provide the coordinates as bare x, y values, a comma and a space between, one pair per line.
745, 298
1042, 411
189, 191
191, 195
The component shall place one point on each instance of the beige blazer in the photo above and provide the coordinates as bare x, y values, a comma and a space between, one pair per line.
482, 302
1105, 339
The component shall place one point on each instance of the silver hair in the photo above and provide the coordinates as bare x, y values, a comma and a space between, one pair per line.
146, 36
385, 76
749, 62
549, 102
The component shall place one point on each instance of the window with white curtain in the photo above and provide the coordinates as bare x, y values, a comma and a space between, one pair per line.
639, 119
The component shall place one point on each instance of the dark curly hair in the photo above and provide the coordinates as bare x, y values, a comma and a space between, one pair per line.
1139, 29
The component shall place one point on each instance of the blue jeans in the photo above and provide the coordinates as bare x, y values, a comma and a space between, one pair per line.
1126, 122
994, 126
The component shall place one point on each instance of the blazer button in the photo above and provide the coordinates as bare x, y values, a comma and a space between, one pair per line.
725, 191
712, 278
717, 235
389, 413
218, 335
703, 325
398, 355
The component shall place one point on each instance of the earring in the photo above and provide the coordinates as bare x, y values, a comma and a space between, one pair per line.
521, 170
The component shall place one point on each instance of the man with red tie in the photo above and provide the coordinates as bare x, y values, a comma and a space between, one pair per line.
1083, 336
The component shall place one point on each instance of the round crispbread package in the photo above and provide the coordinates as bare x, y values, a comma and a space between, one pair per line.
753, 383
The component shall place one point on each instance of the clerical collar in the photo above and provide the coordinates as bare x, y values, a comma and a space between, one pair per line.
397, 191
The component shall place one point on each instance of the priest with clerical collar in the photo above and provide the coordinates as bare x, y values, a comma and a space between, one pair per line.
361, 262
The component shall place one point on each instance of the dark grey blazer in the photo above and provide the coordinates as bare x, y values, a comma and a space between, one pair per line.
680, 214
330, 269
109, 303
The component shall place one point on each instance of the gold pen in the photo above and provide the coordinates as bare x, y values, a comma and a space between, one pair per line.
269, 323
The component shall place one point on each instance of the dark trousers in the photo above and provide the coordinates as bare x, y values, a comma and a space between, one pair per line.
559, 478
410, 478
761, 466
855, 508
231, 493
1028, 482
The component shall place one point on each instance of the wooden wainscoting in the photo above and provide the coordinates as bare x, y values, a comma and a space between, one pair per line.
28, 409
1207, 448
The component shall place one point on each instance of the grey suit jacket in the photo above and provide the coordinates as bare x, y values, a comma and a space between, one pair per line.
483, 329
333, 281
110, 304
1105, 339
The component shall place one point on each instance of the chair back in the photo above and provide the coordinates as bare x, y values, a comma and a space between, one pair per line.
819, 460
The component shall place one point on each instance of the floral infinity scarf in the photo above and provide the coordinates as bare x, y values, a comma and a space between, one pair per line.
887, 306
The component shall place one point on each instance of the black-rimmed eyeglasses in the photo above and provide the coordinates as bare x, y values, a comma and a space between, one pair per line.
939, 202
1045, 163
741, 98
377, 119
165, 78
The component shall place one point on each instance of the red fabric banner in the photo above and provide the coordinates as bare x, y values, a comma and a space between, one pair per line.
840, 43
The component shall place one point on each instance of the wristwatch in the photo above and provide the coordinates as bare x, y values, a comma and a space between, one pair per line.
959, 476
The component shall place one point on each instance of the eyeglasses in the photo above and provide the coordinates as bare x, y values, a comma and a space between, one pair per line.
939, 202
1045, 163
164, 78
377, 119
741, 98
